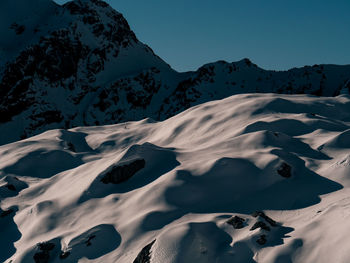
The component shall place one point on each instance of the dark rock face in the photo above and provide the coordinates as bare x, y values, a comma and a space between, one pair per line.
71, 147
61, 60
11, 187
64, 61
119, 174
43, 256
6, 212
236, 221
145, 254
265, 217
64, 254
88, 241
261, 240
260, 225
285, 170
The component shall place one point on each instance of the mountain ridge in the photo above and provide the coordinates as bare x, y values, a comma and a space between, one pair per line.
85, 66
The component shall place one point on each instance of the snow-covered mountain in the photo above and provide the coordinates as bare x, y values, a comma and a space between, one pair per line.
250, 178
80, 64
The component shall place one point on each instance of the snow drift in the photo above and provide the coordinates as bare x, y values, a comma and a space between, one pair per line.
80, 64
251, 178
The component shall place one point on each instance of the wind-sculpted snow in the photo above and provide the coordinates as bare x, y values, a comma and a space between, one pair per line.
80, 64
251, 178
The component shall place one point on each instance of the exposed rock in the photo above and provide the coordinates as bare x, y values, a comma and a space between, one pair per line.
236, 221
285, 170
46, 246
145, 255
265, 217
6, 212
43, 256
71, 147
11, 187
88, 241
119, 174
261, 240
64, 254
261, 225
63, 60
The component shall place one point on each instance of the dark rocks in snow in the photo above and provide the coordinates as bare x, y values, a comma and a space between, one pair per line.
119, 174
64, 254
260, 225
265, 217
46, 246
43, 256
261, 240
285, 170
236, 221
11, 187
71, 147
6, 212
88, 241
62, 60
145, 254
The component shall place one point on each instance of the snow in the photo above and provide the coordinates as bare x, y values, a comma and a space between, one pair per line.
202, 167
80, 64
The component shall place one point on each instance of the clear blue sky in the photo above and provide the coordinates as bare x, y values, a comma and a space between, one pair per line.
275, 34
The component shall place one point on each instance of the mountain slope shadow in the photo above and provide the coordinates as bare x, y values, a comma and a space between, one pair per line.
75, 141
11, 186
91, 244
140, 165
9, 233
236, 185
199, 242
94, 243
293, 127
44, 163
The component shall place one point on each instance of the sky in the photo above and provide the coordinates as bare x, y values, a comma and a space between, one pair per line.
274, 34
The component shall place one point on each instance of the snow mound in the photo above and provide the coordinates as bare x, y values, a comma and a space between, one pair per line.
250, 178
80, 64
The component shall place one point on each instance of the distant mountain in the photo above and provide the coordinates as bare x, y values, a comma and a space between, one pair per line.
81, 64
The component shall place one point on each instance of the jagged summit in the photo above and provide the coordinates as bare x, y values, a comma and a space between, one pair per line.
81, 64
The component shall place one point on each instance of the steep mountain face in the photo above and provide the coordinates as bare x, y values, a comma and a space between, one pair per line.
250, 178
65, 63
80, 64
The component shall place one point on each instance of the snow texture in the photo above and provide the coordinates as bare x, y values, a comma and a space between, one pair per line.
203, 171
80, 64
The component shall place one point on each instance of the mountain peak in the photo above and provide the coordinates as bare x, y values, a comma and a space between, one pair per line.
81, 64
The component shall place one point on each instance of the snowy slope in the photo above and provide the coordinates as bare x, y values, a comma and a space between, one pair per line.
250, 178
81, 64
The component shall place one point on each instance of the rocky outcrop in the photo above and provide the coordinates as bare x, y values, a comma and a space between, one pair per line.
285, 170
43, 255
86, 67
122, 173
236, 221
145, 254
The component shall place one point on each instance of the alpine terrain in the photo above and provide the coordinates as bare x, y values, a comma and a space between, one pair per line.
80, 65
107, 154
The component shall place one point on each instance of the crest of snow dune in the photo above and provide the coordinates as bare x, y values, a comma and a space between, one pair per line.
221, 182
81, 64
